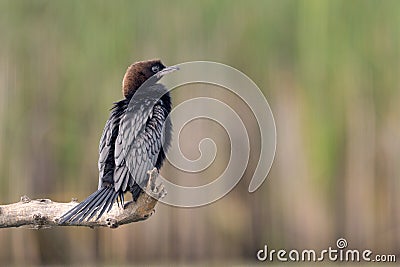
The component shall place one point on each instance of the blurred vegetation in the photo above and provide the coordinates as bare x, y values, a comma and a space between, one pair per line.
329, 69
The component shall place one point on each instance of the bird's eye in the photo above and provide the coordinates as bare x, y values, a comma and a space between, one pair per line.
155, 68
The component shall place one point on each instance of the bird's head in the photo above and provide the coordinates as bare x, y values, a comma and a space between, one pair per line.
139, 72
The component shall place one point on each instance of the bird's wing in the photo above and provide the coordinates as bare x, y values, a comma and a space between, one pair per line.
102, 200
106, 163
139, 139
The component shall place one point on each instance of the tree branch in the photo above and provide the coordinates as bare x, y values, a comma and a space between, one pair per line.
44, 213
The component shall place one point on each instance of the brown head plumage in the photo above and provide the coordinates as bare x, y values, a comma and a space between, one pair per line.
138, 73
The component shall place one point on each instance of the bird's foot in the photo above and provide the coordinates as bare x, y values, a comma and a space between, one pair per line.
153, 190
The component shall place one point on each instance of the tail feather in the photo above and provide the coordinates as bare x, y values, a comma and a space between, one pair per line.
121, 197
105, 202
67, 216
136, 190
91, 206
107, 205
101, 200
120, 200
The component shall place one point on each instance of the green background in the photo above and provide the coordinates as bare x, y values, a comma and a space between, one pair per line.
329, 69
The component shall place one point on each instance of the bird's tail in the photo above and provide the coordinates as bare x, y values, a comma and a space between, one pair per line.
99, 202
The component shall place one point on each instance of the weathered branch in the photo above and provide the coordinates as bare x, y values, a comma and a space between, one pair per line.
44, 213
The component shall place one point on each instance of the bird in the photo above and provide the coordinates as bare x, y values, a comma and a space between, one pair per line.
135, 139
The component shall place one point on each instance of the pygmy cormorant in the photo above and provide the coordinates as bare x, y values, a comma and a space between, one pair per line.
133, 142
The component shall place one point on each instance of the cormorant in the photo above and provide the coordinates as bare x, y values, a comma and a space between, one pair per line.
133, 140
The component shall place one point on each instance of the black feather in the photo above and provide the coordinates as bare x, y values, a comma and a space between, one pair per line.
130, 146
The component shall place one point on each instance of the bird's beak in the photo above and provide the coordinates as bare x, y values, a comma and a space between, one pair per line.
166, 70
